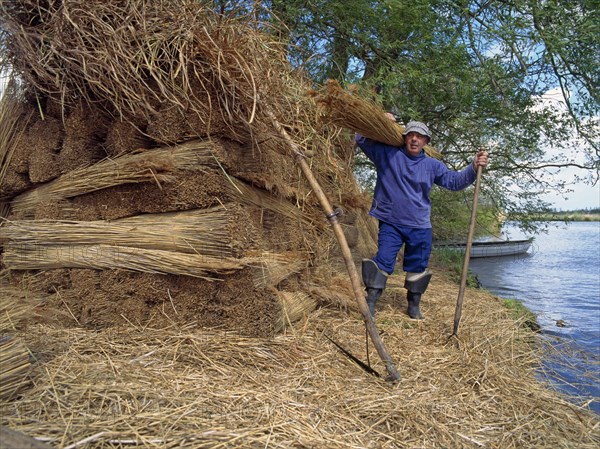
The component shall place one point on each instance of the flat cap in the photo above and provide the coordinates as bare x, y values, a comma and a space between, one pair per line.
417, 127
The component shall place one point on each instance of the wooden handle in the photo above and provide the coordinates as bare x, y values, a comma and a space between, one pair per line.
347, 255
465, 268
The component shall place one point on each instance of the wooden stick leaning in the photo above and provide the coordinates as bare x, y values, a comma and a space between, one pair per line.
465, 269
341, 238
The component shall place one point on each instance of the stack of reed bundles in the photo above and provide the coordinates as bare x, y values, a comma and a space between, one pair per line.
199, 92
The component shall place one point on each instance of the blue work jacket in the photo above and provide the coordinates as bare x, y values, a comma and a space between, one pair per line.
404, 182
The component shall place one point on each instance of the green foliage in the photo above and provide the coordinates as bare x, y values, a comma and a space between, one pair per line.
475, 72
451, 215
452, 261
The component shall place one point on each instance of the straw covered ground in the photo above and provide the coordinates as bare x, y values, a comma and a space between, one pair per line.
186, 386
163, 257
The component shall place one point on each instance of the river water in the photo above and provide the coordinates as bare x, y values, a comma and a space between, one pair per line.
558, 280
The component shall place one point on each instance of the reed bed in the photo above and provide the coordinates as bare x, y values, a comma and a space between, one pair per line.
147, 166
199, 231
360, 115
191, 387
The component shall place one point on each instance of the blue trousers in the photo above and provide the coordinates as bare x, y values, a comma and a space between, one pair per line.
416, 251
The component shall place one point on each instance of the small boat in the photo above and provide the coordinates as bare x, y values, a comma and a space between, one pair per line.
492, 248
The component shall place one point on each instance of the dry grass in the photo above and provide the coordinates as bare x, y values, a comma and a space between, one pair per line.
361, 116
189, 387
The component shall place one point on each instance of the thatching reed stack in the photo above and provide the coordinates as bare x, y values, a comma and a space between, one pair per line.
149, 154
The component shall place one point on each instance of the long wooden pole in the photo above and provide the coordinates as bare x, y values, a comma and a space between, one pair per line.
465, 268
359, 295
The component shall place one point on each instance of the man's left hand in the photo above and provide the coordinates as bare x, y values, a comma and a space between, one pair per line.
481, 159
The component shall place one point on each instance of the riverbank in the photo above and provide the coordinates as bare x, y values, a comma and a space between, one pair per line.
561, 216
190, 387
565, 300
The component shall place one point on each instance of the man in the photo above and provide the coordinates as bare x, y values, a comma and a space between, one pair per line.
402, 205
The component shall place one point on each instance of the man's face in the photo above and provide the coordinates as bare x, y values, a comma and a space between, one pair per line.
415, 142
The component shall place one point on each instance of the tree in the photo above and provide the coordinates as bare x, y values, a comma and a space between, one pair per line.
477, 71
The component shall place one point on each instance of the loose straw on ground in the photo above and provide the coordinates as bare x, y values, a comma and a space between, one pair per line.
190, 387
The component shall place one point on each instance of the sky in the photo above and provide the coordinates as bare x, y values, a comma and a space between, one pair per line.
583, 196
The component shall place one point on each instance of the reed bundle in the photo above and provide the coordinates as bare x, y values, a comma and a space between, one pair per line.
200, 231
270, 268
12, 124
106, 257
14, 367
247, 194
147, 166
116, 387
361, 116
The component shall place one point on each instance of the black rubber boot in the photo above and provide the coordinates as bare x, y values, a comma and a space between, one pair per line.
413, 305
373, 295
374, 280
416, 284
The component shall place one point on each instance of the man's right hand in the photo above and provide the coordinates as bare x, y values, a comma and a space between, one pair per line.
390, 116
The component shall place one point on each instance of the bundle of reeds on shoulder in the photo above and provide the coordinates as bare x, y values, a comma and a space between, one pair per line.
361, 116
